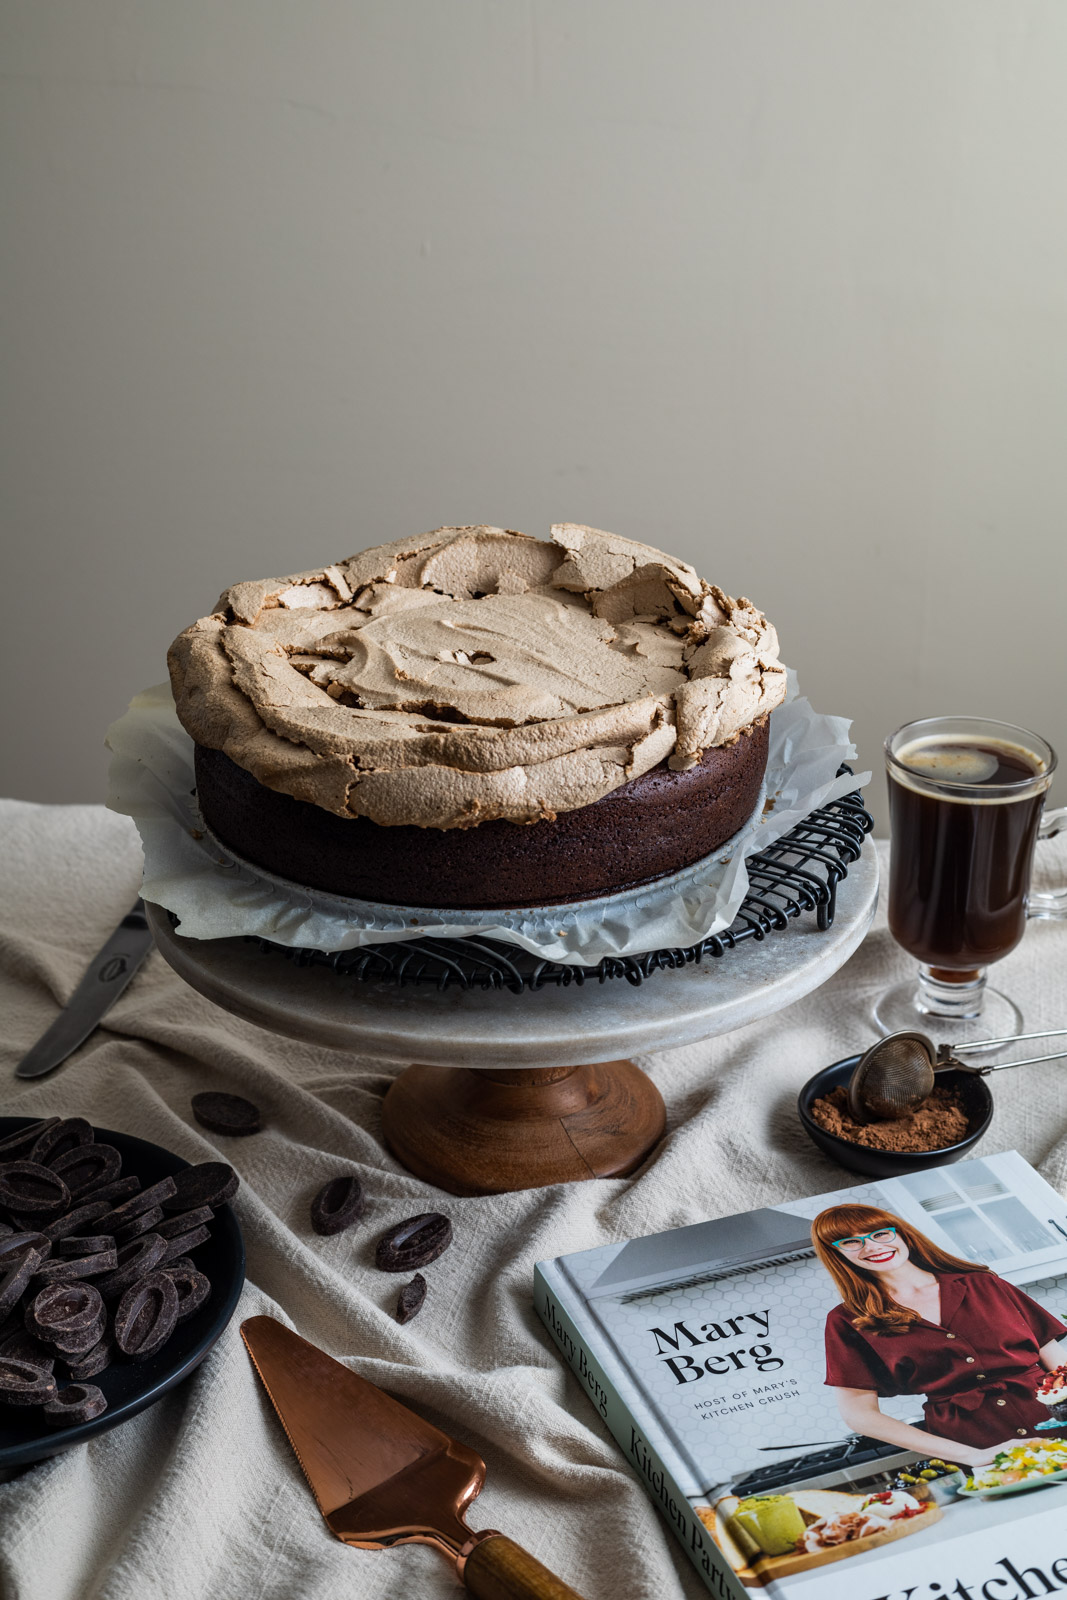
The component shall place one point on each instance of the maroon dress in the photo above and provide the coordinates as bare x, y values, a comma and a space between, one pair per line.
978, 1367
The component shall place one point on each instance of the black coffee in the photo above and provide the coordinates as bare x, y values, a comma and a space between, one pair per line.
960, 868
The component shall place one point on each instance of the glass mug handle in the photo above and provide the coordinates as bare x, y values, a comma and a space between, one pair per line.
1050, 902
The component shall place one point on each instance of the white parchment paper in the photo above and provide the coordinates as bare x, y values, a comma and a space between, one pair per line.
217, 896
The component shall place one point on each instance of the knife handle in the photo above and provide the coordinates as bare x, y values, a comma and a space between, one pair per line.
499, 1569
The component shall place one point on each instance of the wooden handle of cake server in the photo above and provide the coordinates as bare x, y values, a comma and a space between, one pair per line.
499, 1569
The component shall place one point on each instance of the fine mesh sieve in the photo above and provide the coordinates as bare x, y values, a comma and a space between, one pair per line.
896, 1075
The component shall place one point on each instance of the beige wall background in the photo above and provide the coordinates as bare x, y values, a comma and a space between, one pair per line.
777, 284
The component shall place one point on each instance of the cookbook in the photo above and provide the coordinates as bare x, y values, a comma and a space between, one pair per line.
857, 1396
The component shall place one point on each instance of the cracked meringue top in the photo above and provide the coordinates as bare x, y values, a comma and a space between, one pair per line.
473, 673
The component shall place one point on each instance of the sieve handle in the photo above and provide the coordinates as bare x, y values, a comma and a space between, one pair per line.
1049, 902
946, 1050
999, 1066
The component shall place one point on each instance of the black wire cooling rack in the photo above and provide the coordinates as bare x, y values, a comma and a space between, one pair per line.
798, 874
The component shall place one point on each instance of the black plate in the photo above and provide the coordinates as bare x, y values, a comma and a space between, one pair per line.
131, 1386
977, 1102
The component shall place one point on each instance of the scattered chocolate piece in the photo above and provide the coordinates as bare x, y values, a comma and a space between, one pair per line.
88, 1244
56, 1141
174, 1227
136, 1260
146, 1316
226, 1113
192, 1286
183, 1244
337, 1205
16, 1144
414, 1243
139, 1225
78, 1402
409, 1302
14, 1283
70, 1270
211, 1183
22, 1383
87, 1167
29, 1188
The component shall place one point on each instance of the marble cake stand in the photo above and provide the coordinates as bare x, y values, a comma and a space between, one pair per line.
514, 1091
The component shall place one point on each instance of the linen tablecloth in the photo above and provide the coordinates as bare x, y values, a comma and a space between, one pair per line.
200, 1496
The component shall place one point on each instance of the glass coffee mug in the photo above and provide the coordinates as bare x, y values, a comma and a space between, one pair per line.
966, 799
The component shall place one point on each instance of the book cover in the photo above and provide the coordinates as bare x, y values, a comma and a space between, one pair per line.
857, 1396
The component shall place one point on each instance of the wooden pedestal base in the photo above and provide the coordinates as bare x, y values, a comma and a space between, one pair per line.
488, 1131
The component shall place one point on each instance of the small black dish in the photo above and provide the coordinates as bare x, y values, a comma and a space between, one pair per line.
977, 1101
129, 1387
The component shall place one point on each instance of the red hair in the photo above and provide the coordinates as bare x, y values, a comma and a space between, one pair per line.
873, 1310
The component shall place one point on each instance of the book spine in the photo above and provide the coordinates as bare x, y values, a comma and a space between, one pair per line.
699, 1546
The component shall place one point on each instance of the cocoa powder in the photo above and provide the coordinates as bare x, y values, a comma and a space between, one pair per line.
941, 1120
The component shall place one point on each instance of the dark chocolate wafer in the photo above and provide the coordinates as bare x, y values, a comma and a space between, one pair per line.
338, 1204
76, 1267
87, 1244
82, 1217
228, 1114
411, 1298
56, 1141
137, 1205
146, 1316
22, 1346
69, 1316
29, 1189
120, 1189
136, 1259
183, 1244
17, 1278
145, 1223
15, 1246
22, 1383
78, 1402
103, 1353
87, 1167
18, 1144
211, 1183
173, 1227
192, 1286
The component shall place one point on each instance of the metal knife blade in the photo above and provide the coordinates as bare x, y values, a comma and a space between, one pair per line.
106, 976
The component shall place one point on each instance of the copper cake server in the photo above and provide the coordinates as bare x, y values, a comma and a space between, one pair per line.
383, 1476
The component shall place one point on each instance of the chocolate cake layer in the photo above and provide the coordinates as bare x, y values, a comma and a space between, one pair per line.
653, 825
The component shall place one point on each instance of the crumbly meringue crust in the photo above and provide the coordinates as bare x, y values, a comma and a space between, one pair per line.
474, 673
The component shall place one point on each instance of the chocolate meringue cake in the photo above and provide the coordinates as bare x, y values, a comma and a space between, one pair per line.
476, 718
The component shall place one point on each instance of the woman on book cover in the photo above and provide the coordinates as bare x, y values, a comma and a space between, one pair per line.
915, 1320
